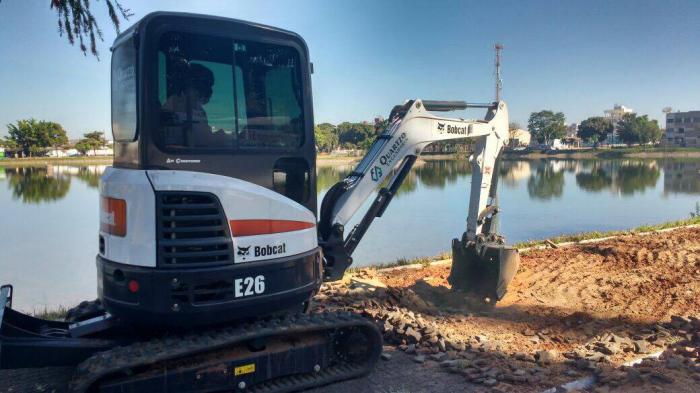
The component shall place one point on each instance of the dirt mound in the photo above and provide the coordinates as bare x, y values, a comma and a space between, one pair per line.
570, 312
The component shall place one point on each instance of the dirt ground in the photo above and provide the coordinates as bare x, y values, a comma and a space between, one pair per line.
589, 307
570, 313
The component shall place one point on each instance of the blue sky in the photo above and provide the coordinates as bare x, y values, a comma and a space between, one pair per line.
579, 57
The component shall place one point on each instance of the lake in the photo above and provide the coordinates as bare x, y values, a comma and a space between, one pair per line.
48, 237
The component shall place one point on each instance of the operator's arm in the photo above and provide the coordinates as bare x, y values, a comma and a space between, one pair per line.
412, 127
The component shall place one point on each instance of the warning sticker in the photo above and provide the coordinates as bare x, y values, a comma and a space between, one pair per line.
244, 369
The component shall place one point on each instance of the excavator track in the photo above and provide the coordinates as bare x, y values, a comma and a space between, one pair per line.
221, 360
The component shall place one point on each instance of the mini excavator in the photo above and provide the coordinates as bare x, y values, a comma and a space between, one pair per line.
210, 248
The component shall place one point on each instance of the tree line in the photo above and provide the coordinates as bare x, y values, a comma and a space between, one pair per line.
546, 126
347, 135
31, 137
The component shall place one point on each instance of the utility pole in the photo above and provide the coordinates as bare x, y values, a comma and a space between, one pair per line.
499, 82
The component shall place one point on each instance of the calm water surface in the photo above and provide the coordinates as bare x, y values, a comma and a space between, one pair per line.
49, 216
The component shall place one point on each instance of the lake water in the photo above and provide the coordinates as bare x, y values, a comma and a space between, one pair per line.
48, 235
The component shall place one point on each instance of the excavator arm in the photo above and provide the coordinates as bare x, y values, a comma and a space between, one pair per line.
481, 261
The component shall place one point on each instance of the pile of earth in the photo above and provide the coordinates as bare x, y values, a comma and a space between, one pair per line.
571, 312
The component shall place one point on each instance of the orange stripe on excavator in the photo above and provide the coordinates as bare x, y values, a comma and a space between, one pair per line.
265, 227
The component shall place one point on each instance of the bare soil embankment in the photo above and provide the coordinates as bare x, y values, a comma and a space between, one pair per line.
571, 312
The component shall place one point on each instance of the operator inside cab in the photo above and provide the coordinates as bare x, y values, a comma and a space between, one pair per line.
190, 91
224, 94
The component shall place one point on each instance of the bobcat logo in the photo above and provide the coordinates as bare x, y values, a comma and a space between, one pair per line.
441, 127
243, 251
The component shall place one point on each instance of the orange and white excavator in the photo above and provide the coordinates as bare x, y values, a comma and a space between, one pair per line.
210, 245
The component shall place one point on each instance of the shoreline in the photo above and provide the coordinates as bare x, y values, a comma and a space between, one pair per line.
324, 160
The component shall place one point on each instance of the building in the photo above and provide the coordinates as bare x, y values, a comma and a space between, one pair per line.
572, 130
615, 115
682, 129
519, 138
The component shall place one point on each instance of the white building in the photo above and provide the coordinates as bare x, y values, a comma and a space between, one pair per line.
519, 138
615, 115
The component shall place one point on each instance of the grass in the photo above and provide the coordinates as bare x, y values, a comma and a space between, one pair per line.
57, 314
577, 237
28, 161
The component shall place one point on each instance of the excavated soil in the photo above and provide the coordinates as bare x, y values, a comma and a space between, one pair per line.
570, 313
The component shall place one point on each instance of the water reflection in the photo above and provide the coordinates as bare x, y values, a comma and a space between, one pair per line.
547, 181
542, 179
36, 185
625, 177
682, 176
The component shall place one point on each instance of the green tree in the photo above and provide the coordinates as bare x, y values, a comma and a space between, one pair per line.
31, 136
547, 126
91, 141
353, 134
76, 21
53, 134
595, 129
326, 137
638, 129
9, 144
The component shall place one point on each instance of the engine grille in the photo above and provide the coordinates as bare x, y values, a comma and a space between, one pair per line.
192, 230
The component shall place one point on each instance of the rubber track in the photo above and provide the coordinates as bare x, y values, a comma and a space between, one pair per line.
121, 359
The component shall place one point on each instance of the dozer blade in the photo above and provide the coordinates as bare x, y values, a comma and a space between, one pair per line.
483, 269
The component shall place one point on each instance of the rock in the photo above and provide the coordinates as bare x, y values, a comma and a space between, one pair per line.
490, 382
641, 346
411, 349
547, 356
481, 362
419, 359
674, 363
571, 373
633, 374
386, 356
462, 363
678, 321
493, 373
658, 377
456, 345
512, 378
413, 335
529, 332
608, 348
583, 364
438, 357
524, 357
441, 345
481, 338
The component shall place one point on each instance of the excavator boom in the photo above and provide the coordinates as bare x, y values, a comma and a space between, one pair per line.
481, 261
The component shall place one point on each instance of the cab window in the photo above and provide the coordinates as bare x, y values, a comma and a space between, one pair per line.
218, 93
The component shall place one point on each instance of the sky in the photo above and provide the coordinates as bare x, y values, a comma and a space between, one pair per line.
578, 57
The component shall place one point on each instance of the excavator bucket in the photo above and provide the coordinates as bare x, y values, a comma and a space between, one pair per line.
484, 269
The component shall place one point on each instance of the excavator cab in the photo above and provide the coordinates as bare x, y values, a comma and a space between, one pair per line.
215, 95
